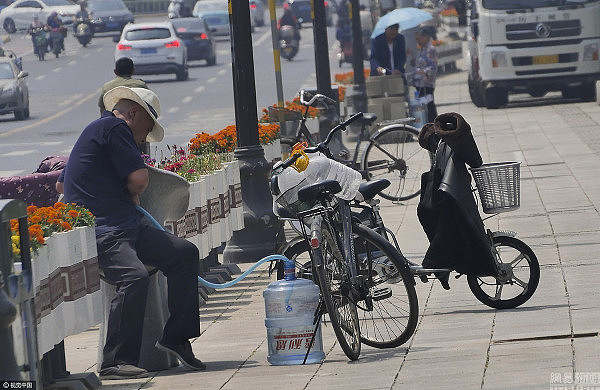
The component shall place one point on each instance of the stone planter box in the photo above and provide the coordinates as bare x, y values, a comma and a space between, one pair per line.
67, 286
214, 211
448, 53
273, 151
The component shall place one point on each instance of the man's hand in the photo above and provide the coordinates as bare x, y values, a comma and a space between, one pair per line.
381, 70
135, 199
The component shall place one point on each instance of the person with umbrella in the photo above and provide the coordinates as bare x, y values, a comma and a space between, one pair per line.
425, 71
388, 52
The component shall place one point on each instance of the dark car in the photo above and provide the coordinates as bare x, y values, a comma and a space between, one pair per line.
109, 15
196, 35
301, 9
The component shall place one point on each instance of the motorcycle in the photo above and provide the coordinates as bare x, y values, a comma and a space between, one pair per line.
288, 42
83, 32
56, 39
40, 42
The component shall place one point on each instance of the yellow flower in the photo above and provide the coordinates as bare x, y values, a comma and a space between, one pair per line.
15, 240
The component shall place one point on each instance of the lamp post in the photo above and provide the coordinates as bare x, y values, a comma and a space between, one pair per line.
259, 236
329, 116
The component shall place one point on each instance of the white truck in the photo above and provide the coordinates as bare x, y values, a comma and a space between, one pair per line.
533, 46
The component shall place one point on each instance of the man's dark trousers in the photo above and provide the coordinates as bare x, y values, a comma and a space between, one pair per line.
122, 255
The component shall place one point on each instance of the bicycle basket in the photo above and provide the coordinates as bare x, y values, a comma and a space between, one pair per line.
289, 182
499, 186
275, 114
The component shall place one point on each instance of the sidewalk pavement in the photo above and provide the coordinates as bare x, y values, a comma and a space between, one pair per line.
550, 342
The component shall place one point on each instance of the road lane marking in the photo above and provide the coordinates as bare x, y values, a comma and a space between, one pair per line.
18, 153
46, 143
199, 89
52, 117
72, 62
187, 99
70, 100
211, 80
10, 173
172, 110
222, 72
56, 70
41, 77
260, 40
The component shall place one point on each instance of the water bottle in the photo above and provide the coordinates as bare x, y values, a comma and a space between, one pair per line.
290, 306
322, 168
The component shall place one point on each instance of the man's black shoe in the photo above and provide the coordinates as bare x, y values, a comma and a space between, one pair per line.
123, 371
184, 353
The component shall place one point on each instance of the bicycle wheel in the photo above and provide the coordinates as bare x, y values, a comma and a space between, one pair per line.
392, 320
334, 275
393, 317
518, 280
394, 153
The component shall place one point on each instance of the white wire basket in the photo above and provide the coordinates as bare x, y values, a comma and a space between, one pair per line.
499, 186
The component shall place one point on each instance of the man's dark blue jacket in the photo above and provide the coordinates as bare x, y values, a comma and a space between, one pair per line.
380, 54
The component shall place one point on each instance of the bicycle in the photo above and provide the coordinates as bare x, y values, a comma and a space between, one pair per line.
356, 268
392, 151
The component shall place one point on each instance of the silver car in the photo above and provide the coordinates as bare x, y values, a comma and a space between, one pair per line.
14, 94
154, 49
217, 21
19, 15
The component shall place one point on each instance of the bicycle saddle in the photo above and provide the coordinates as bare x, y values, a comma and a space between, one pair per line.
368, 118
317, 190
369, 189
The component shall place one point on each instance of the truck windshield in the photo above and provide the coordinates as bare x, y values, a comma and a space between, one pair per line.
530, 4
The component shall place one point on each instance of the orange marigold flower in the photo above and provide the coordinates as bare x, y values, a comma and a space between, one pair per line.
73, 213
35, 219
59, 205
66, 225
40, 239
31, 209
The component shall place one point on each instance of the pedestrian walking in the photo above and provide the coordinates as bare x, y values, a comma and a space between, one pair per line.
425, 64
124, 77
388, 52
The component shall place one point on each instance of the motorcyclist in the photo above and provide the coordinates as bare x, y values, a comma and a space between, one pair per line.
82, 14
34, 27
54, 22
289, 19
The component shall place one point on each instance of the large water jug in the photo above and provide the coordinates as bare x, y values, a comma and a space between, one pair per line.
290, 306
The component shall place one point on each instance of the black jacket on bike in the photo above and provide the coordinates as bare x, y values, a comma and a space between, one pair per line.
447, 210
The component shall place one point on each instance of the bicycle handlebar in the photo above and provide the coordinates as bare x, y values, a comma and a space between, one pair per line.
315, 97
322, 146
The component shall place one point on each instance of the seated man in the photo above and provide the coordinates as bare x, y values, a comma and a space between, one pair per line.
106, 174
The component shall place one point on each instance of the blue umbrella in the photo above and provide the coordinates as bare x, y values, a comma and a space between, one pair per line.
405, 17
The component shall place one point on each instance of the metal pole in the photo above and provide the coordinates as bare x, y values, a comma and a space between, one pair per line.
329, 117
259, 236
276, 57
359, 96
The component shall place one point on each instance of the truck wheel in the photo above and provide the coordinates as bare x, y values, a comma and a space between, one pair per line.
495, 97
475, 92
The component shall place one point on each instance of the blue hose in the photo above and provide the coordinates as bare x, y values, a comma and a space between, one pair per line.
206, 282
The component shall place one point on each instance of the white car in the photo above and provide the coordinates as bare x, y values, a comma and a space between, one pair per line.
19, 15
154, 49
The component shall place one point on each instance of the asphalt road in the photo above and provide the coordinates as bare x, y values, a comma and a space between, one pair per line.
64, 93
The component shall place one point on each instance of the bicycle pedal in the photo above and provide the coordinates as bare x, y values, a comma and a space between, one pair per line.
424, 278
381, 293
